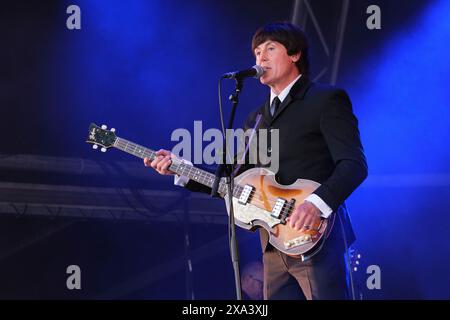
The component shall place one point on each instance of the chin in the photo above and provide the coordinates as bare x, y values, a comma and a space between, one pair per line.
264, 81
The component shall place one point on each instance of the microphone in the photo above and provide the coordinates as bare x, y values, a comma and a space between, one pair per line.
256, 72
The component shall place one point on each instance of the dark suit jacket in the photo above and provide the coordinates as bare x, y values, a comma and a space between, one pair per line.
318, 140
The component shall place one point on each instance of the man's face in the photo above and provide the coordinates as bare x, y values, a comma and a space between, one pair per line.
278, 65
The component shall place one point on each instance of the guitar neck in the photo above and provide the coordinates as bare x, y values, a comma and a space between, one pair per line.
183, 169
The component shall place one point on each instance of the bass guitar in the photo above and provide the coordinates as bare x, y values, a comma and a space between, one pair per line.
259, 201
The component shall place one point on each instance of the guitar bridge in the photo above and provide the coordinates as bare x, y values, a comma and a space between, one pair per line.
299, 241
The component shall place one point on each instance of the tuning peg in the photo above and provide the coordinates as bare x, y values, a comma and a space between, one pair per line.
355, 269
95, 147
103, 149
113, 130
104, 127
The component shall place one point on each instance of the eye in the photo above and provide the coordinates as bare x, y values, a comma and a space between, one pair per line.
257, 53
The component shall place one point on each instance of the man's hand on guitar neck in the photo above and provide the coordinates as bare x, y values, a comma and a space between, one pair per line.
161, 162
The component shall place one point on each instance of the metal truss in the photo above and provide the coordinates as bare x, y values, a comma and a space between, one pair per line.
75, 201
303, 15
86, 202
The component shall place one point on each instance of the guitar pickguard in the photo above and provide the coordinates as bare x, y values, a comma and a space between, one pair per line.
249, 213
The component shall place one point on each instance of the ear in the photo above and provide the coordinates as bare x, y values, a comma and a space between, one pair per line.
295, 57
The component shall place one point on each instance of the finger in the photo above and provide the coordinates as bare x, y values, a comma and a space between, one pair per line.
164, 164
293, 219
301, 221
295, 216
147, 162
161, 163
156, 161
162, 152
165, 167
307, 225
298, 225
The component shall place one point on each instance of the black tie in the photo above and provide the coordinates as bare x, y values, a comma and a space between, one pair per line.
275, 104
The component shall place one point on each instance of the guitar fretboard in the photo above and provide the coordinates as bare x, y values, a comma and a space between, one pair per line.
183, 169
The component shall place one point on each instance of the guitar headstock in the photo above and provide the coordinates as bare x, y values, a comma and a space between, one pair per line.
100, 136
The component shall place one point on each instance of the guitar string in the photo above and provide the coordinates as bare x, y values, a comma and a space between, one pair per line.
124, 145
201, 174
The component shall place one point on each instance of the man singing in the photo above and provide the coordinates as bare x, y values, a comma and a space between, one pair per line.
318, 140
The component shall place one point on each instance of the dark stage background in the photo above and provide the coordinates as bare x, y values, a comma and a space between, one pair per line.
149, 67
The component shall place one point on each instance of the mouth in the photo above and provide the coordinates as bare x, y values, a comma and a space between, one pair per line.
265, 70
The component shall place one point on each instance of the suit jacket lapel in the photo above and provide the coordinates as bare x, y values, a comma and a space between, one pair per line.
298, 91
267, 117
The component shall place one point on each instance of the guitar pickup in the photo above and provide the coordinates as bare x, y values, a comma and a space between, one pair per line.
245, 194
278, 208
290, 208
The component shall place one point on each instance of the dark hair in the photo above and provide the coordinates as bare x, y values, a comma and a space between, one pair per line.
290, 36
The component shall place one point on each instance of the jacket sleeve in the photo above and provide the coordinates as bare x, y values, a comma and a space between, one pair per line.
339, 127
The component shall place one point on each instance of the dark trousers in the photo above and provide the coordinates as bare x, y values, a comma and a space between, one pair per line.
323, 276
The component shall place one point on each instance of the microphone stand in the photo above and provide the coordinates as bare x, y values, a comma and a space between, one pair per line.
226, 171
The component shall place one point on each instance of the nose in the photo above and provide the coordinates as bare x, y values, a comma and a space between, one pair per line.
262, 57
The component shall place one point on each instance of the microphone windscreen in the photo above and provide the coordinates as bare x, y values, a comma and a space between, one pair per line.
259, 71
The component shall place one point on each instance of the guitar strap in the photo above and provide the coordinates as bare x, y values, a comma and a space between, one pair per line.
247, 146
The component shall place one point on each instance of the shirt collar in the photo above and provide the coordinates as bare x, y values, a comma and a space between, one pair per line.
283, 94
